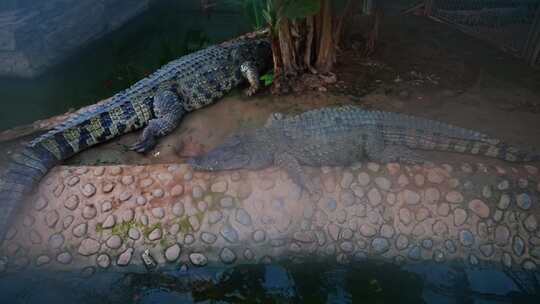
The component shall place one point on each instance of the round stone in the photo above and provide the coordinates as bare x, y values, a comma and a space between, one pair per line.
530, 223
487, 250
473, 260
380, 245
466, 238
347, 198
422, 214
454, 197
432, 195
56, 241
99, 171
124, 196
147, 182
460, 216
114, 242
402, 242
194, 222
363, 179
229, 233
487, 191
367, 230
440, 228
497, 215
35, 237
503, 185
214, 216
373, 167
158, 212
103, 261
106, 206
438, 256
178, 209
479, 208
67, 221
42, 260
72, 202
80, 230
450, 246
188, 176
41, 203
502, 234
208, 237
88, 190
125, 257
518, 245
219, 187
387, 231
259, 236
529, 265
128, 180
197, 192
51, 218
504, 202
435, 176
116, 170
245, 190
405, 216
249, 254
383, 183
415, 253
427, 243
198, 259
172, 253
411, 197
158, 193
133, 233
523, 201
28, 221
202, 206
89, 212
374, 197
108, 187
109, 222
189, 239
226, 202
346, 180
227, 256
89, 247
443, 209
155, 234
64, 258
243, 217
506, 260
177, 190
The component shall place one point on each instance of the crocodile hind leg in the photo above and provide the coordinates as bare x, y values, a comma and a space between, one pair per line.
291, 165
250, 72
169, 112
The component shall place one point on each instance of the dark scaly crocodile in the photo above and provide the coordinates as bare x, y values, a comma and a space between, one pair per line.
158, 103
343, 135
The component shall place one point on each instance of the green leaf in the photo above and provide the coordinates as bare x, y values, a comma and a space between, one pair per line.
296, 9
268, 79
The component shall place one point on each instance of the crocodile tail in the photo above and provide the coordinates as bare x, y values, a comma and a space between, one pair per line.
23, 172
504, 151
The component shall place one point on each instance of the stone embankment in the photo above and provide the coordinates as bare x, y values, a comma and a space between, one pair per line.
167, 216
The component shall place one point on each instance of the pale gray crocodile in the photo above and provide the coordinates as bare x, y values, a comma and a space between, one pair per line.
342, 135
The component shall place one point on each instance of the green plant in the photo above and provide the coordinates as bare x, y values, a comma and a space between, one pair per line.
268, 79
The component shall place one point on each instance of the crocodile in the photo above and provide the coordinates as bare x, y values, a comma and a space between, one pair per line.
339, 136
158, 103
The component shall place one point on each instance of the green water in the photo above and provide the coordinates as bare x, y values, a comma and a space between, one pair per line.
164, 32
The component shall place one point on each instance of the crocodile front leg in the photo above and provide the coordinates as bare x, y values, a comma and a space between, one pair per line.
251, 73
293, 168
169, 112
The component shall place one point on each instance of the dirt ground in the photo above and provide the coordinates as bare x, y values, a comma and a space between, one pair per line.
420, 67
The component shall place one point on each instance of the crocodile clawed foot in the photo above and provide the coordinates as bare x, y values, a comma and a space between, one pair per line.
250, 91
144, 145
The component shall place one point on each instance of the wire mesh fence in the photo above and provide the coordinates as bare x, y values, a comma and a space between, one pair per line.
512, 25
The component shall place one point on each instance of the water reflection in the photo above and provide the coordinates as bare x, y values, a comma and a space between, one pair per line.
368, 282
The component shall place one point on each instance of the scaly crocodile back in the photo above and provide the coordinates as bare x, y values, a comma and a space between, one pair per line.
200, 78
400, 129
